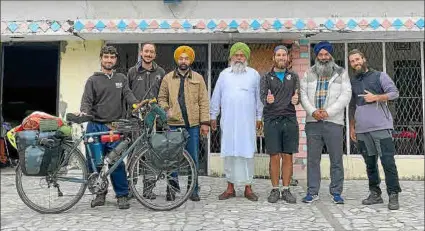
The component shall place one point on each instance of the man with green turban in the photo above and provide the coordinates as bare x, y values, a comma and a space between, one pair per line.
237, 96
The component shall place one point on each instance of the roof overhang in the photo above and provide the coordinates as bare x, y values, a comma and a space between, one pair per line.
216, 30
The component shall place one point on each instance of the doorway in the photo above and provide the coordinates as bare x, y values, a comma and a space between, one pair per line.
30, 79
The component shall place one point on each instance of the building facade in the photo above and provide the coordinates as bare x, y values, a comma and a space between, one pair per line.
65, 39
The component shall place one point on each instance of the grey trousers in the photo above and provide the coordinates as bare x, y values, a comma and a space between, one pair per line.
329, 134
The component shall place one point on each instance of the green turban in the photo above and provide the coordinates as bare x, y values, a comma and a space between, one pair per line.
240, 47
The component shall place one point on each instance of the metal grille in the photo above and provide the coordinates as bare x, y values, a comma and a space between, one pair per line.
403, 64
128, 56
261, 60
374, 56
165, 59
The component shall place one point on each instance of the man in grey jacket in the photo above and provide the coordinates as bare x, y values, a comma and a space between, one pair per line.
325, 92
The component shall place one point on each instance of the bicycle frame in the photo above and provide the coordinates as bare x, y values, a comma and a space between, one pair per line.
89, 154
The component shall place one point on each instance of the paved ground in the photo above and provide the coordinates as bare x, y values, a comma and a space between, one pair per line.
234, 214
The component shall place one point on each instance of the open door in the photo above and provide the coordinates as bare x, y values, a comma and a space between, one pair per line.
30, 79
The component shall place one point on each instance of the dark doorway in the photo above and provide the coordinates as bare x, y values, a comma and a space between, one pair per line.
30, 72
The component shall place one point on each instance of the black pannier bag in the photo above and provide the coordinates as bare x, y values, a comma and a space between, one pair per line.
40, 153
167, 148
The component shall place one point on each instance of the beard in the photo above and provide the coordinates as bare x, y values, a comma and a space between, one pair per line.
238, 67
281, 65
361, 70
108, 67
147, 62
324, 68
183, 67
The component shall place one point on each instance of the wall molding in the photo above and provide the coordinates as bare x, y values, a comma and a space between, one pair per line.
265, 25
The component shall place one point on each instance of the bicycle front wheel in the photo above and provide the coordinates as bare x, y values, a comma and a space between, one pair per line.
162, 187
59, 191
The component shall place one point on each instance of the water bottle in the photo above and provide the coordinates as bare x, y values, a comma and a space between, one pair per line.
115, 154
97, 151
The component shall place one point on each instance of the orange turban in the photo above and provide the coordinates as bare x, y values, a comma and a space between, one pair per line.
184, 49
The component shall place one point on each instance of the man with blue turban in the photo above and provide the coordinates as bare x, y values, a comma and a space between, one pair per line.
237, 97
325, 92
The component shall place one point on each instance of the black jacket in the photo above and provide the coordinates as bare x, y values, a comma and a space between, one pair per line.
140, 80
282, 92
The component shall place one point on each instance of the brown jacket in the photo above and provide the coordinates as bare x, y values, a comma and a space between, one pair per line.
195, 94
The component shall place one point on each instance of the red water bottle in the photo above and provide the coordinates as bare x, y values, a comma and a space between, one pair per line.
110, 138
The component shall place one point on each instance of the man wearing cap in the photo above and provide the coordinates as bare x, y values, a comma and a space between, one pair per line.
325, 92
279, 94
184, 96
237, 97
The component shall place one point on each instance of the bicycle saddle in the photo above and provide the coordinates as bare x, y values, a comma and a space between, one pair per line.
71, 117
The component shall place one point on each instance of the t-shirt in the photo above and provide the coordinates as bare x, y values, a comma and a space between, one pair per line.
281, 75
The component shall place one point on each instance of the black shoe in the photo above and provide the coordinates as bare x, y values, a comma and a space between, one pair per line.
288, 197
171, 195
148, 186
99, 200
123, 203
393, 202
274, 196
194, 197
373, 198
149, 195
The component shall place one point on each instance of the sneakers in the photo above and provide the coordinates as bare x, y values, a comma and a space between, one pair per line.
337, 199
123, 203
149, 195
148, 186
171, 195
373, 198
194, 197
310, 198
288, 197
393, 202
98, 201
274, 196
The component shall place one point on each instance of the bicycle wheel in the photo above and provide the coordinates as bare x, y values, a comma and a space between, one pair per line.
61, 186
162, 188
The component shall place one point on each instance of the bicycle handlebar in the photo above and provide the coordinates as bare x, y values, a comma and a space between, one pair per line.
144, 102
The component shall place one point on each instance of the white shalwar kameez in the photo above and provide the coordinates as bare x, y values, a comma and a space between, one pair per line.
238, 97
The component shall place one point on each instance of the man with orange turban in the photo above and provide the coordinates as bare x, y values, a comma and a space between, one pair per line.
184, 96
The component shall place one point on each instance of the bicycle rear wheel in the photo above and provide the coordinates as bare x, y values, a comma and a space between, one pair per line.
59, 191
162, 188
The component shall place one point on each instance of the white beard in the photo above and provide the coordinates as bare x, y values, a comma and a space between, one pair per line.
324, 69
239, 68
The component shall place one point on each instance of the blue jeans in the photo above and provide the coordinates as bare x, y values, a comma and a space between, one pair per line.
119, 175
192, 148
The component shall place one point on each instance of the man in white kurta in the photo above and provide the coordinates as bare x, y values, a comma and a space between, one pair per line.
237, 96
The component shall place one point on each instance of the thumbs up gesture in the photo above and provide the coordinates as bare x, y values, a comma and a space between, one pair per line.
270, 97
294, 99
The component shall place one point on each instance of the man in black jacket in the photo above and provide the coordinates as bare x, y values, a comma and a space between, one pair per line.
146, 74
279, 94
104, 98
144, 80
